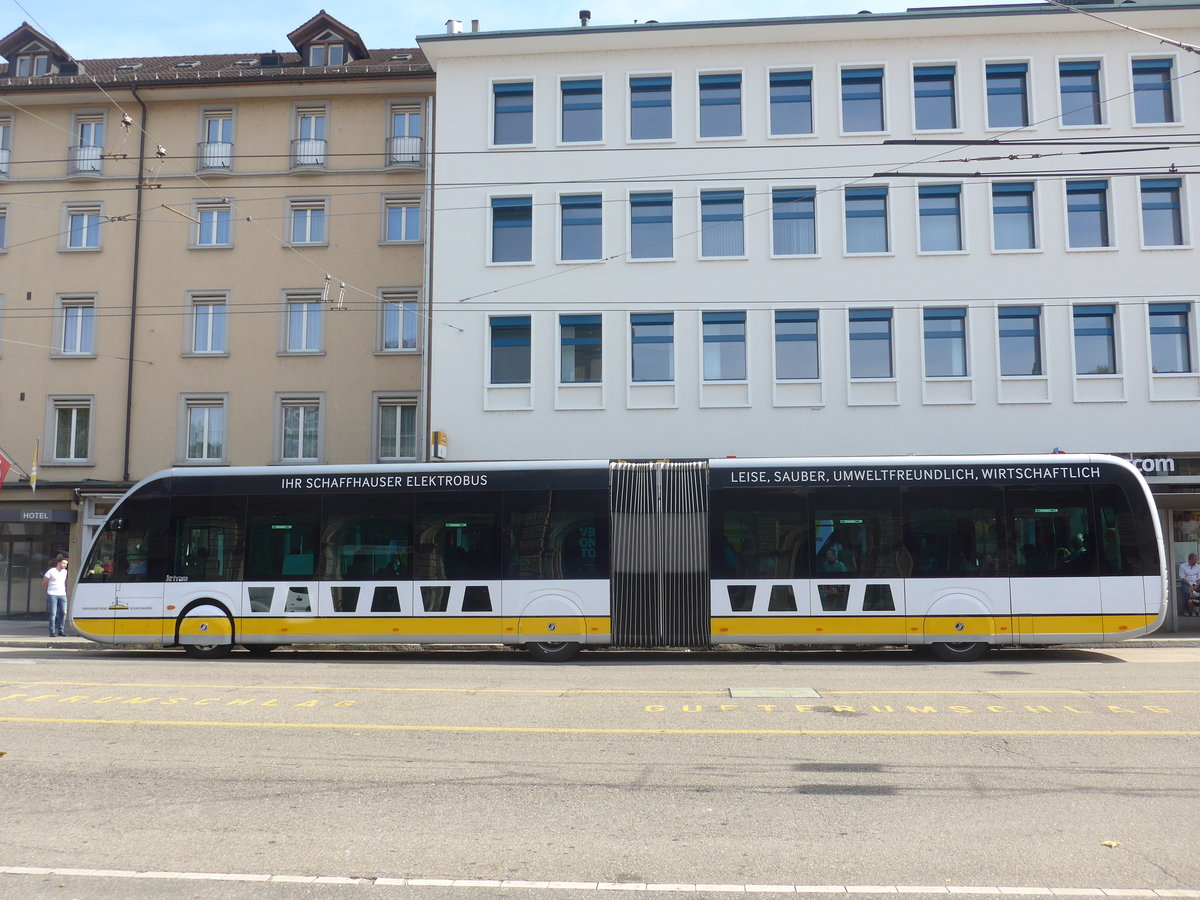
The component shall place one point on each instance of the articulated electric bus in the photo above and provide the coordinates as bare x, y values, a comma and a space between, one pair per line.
950, 554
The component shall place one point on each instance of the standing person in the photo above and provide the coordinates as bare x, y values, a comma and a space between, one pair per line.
1189, 576
54, 583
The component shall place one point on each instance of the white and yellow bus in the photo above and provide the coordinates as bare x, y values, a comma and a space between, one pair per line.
950, 554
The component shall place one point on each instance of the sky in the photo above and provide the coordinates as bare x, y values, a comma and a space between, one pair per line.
88, 29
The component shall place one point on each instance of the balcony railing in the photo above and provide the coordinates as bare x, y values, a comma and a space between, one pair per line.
214, 155
403, 151
308, 152
86, 159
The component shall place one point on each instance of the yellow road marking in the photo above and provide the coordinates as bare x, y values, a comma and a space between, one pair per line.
489, 729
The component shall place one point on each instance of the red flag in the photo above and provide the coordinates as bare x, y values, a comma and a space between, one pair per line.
5, 465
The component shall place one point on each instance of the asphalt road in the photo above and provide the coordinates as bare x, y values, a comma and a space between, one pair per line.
480, 774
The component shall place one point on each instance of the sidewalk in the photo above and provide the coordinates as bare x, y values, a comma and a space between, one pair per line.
31, 633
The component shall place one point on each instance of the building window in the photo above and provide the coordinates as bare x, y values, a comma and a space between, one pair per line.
512, 113
308, 149
1079, 92
720, 105
934, 107
1087, 214
796, 348
213, 222
307, 219
581, 219
34, 60
83, 227
651, 230
216, 149
299, 429
1095, 341
650, 108
510, 349
397, 424
1012, 216
327, 50
652, 348
791, 103
401, 221
1007, 95
209, 315
76, 321
862, 100
1162, 221
3, 227
1170, 338
866, 220
793, 221
87, 154
721, 224
72, 439
940, 207
581, 349
204, 419
5, 144
871, 343
1153, 101
398, 320
946, 343
582, 110
1020, 340
724, 335
404, 136
303, 322
512, 229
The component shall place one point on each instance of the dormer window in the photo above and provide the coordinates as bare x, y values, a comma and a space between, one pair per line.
33, 60
327, 50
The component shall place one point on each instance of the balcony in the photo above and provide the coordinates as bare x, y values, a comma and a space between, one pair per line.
85, 159
308, 153
214, 155
403, 151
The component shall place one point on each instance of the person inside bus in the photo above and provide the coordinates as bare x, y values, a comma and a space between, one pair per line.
830, 563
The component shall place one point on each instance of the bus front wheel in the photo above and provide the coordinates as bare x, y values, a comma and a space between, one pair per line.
965, 651
552, 652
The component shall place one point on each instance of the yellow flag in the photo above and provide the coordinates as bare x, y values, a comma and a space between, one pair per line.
37, 451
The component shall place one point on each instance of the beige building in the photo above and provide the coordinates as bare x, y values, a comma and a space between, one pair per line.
204, 261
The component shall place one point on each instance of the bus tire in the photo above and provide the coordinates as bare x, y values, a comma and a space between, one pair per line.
544, 651
259, 649
965, 651
208, 651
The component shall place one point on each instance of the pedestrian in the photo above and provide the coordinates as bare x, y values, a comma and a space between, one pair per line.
54, 583
1189, 576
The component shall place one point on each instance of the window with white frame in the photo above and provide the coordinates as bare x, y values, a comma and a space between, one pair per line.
651, 226
797, 354
82, 226
396, 428
329, 49
204, 428
1162, 216
303, 322
512, 229
76, 325
401, 220
793, 221
652, 347
214, 220
582, 110
1153, 91
1013, 224
398, 320
308, 147
862, 100
720, 105
581, 232
791, 102
512, 113
1020, 340
299, 427
945, 342
404, 135
216, 145
1007, 95
722, 226
581, 349
724, 338
32, 60
650, 117
1079, 92
1087, 214
71, 429
934, 103
3, 227
867, 220
87, 152
5, 144
1095, 339
209, 314
940, 213
1170, 338
308, 221
510, 339
871, 343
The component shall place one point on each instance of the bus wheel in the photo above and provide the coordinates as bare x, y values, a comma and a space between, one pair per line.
207, 651
959, 652
548, 652
259, 649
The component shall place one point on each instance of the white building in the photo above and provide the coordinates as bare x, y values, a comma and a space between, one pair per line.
783, 237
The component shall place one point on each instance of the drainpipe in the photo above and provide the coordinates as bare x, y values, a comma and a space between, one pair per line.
133, 289
427, 330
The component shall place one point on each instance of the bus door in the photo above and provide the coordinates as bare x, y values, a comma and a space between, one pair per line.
139, 568
279, 591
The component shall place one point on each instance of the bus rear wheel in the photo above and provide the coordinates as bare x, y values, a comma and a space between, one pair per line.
207, 651
965, 651
552, 652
